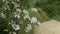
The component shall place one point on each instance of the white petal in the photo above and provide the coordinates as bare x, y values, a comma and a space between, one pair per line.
14, 32
19, 10
15, 26
28, 28
38, 23
25, 12
33, 20
3, 0
5, 30
26, 17
34, 9
2, 15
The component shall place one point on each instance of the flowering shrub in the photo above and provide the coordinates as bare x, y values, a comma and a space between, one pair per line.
18, 17
15, 19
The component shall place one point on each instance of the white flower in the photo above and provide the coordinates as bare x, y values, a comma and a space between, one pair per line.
16, 15
34, 20
3, 0
25, 12
2, 15
39, 23
15, 27
18, 10
13, 2
34, 9
9, 23
26, 16
16, 5
14, 32
18, 0
28, 28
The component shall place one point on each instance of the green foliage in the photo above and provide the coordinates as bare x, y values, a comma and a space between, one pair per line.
51, 8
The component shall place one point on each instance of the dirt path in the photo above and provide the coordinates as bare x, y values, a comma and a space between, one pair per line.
49, 27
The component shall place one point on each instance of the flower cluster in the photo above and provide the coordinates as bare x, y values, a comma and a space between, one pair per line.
26, 16
28, 28
15, 18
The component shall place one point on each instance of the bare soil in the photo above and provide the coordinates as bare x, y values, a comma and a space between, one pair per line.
49, 27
